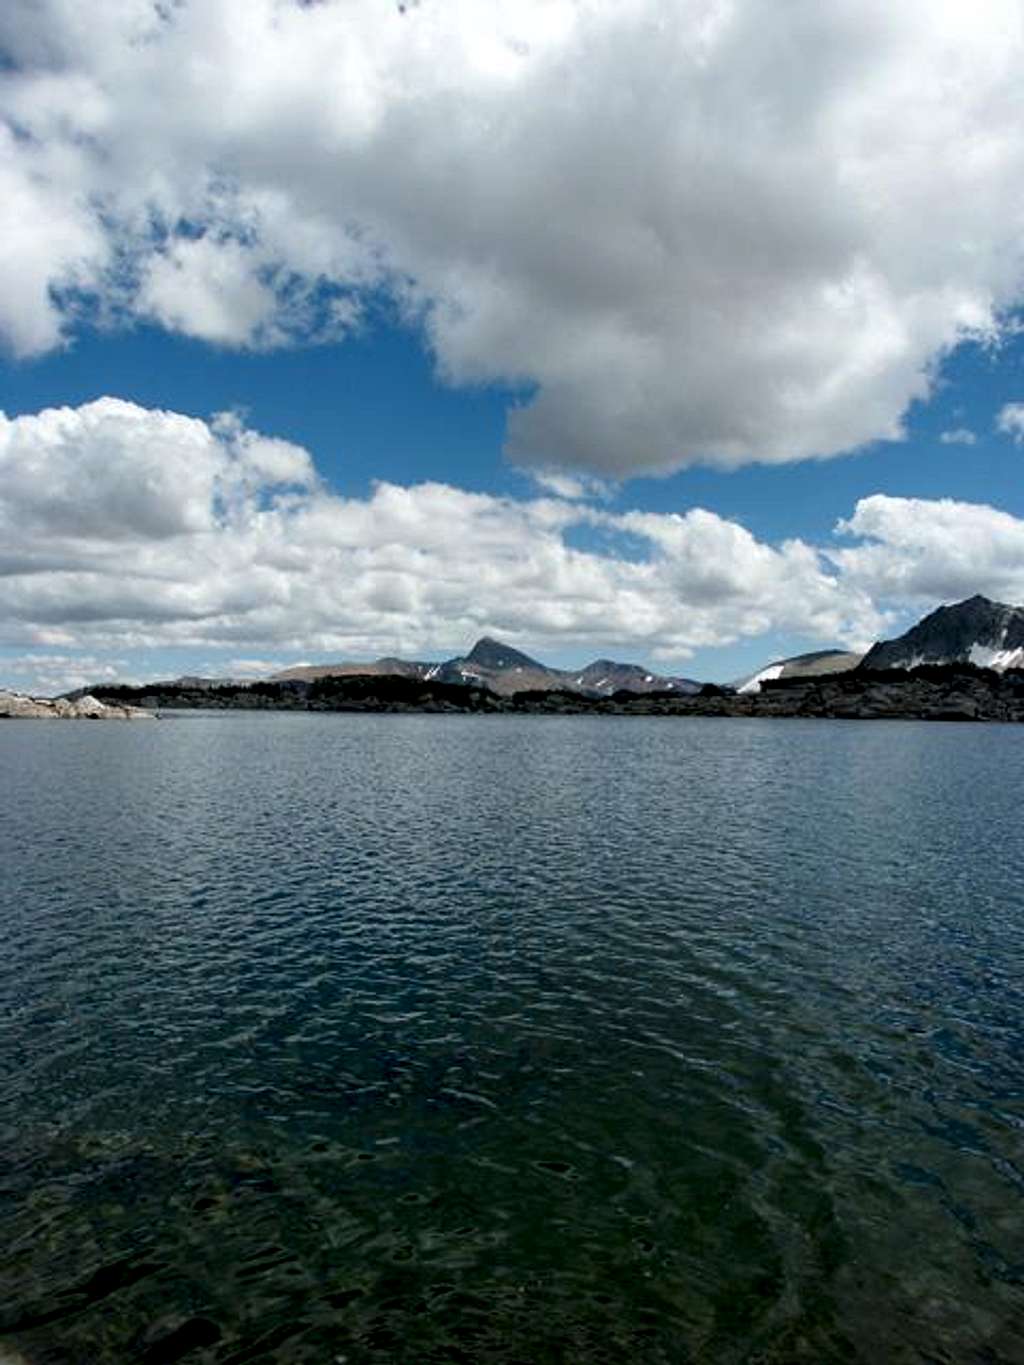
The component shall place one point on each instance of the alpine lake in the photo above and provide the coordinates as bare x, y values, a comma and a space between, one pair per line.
350, 1038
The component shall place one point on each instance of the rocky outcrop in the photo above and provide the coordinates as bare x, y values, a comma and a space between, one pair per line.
358, 692
937, 693
16, 706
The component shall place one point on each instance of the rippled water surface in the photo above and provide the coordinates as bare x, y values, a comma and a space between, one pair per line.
511, 1039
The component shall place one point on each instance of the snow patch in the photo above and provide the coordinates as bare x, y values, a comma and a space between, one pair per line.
999, 659
768, 674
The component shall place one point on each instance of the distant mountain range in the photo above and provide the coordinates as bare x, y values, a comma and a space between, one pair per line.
963, 662
977, 631
505, 671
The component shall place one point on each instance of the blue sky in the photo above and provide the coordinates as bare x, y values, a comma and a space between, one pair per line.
503, 351
373, 408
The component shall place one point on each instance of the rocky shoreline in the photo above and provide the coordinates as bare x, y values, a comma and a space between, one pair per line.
17, 706
956, 692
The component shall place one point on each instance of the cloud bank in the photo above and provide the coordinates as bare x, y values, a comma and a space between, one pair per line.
124, 528
699, 231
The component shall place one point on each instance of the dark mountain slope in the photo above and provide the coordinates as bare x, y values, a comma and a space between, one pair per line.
978, 631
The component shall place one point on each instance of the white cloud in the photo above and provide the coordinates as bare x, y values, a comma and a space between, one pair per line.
573, 487
247, 668
128, 529
78, 482
1011, 421
52, 241
926, 551
208, 289
958, 436
700, 231
47, 675
125, 530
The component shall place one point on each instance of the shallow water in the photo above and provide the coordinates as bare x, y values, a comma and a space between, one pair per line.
511, 1039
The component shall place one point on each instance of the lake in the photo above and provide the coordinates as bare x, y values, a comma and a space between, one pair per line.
511, 1039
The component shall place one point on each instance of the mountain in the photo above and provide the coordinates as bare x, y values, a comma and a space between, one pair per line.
812, 665
977, 631
505, 670
499, 667
495, 657
386, 667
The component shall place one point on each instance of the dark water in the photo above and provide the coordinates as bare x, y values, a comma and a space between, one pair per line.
511, 1040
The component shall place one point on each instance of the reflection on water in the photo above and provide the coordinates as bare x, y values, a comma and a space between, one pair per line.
511, 1040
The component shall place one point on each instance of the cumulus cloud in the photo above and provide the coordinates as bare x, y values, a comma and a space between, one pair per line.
124, 528
920, 550
208, 289
696, 232
1011, 421
958, 436
111, 473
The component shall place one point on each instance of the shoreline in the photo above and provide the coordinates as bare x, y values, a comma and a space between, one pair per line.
929, 693
19, 706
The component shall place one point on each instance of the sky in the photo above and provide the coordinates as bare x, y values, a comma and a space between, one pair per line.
688, 332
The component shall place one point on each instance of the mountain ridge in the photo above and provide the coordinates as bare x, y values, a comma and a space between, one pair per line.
505, 670
977, 631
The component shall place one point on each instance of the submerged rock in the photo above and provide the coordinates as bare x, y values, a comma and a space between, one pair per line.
15, 705
9, 1356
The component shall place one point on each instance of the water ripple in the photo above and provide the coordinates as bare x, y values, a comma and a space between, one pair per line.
511, 1039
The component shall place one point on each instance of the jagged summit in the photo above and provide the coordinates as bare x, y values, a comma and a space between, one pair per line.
977, 631
491, 653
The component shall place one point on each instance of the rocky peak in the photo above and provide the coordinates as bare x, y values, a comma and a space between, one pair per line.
492, 654
976, 630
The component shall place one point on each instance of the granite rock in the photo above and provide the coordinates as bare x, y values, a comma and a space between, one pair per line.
17, 706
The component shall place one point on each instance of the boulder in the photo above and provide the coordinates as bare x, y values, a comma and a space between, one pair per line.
15, 705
